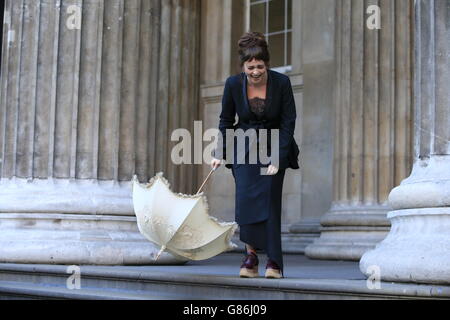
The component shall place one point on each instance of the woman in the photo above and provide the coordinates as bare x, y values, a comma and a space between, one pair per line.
263, 99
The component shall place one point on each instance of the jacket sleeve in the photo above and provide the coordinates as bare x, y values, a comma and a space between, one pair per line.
227, 119
287, 124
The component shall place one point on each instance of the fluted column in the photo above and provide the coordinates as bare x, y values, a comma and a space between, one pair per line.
82, 111
417, 247
222, 26
372, 146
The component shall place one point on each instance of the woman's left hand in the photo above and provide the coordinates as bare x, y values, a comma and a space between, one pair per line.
272, 170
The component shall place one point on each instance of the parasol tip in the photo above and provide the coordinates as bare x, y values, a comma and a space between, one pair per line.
160, 252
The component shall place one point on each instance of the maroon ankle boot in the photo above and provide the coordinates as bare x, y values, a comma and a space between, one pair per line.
249, 267
273, 271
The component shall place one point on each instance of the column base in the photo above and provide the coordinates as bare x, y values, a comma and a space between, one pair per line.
80, 196
428, 185
348, 232
72, 221
416, 250
301, 235
418, 247
76, 239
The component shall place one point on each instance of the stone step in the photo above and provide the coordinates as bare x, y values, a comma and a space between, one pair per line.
30, 291
49, 282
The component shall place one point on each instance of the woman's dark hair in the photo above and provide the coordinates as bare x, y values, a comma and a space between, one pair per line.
253, 45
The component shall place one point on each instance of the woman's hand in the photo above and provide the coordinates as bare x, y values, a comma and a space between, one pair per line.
272, 170
215, 163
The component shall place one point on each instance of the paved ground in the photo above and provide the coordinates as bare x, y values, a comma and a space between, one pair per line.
296, 267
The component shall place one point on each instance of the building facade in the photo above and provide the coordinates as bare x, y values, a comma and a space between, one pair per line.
353, 91
91, 91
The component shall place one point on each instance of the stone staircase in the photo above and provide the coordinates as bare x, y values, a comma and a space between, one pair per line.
214, 279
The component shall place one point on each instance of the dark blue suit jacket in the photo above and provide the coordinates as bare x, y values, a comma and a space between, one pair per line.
279, 113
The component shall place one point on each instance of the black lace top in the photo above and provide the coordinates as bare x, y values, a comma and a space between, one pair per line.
257, 106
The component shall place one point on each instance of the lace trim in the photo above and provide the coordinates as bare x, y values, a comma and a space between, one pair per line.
257, 105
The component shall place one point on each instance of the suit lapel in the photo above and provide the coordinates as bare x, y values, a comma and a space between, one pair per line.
269, 91
244, 93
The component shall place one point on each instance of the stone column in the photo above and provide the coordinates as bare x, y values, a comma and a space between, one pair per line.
417, 249
372, 146
314, 57
223, 23
84, 108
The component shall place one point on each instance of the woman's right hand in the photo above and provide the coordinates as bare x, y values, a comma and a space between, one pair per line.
215, 163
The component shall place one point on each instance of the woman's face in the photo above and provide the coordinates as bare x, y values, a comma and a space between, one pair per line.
256, 71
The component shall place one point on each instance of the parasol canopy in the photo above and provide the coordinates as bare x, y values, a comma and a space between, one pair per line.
179, 223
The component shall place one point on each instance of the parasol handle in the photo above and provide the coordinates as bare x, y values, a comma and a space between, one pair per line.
201, 187
163, 248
